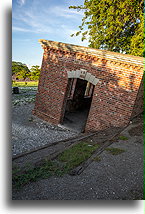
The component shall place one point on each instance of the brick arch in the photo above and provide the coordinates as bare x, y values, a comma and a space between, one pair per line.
83, 74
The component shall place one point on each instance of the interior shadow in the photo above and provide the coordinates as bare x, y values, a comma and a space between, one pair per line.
78, 100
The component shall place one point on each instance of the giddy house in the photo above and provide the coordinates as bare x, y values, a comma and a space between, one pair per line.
88, 89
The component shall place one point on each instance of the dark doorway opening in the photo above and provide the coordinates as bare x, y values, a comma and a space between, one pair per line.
77, 104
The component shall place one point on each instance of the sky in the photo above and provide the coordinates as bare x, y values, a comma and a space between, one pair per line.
42, 19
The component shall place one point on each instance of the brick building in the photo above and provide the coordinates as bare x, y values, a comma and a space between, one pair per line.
106, 86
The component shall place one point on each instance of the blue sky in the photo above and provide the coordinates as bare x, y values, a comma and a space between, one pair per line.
42, 19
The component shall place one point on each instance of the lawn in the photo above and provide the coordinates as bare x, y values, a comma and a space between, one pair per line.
25, 84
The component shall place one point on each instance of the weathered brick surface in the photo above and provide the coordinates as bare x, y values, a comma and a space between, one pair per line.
116, 97
139, 102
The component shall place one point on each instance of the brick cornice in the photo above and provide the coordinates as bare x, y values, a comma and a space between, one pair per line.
91, 52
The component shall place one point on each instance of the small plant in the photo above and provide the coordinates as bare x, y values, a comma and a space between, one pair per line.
97, 159
115, 151
28, 165
123, 138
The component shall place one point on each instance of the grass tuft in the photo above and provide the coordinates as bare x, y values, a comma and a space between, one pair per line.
77, 154
123, 138
97, 159
49, 168
115, 151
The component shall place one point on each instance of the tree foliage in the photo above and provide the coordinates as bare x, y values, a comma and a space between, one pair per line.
113, 25
17, 67
21, 71
35, 72
23, 74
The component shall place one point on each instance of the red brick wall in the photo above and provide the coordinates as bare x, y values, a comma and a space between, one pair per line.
114, 96
51, 90
139, 102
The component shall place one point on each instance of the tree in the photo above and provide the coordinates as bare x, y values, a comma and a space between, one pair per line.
23, 74
20, 70
113, 25
35, 72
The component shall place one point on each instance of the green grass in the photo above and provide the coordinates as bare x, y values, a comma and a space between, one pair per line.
25, 84
77, 154
49, 168
123, 138
66, 161
115, 151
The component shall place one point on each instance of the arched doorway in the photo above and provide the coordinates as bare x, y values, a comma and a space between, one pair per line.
78, 100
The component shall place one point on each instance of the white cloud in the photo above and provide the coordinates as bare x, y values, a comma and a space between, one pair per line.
60, 11
53, 21
21, 2
72, 12
20, 29
21, 40
34, 30
33, 22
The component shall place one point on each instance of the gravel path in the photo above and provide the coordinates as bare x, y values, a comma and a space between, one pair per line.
114, 177
29, 132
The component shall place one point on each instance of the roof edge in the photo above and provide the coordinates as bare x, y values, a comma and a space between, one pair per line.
92, 51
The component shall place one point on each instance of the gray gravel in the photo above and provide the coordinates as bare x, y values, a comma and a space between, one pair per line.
117, 177
29, 132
